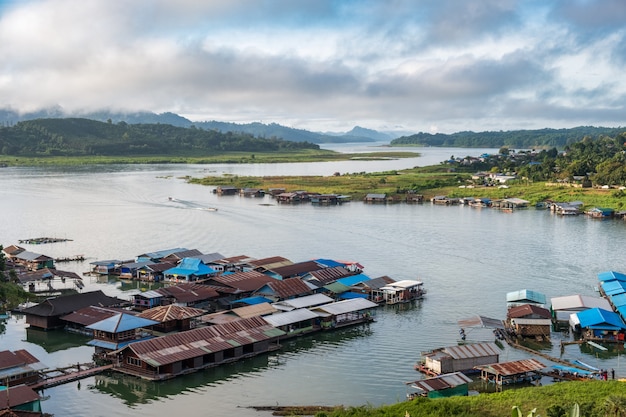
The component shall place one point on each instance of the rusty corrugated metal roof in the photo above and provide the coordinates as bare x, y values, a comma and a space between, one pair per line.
441, 382
273, 261
289, 287
299, 268
244, 281
512, 368
473, 350
92, 314
189, 293
328, 275
197, 342
528, 310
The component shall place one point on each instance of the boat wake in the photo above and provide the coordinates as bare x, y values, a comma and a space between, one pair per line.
191, 205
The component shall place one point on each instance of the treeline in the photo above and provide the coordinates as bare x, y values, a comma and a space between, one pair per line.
84, 137
527, 139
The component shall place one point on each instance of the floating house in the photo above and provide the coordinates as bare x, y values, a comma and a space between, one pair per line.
20, 398
563, 307
344, 313
227, 316
189, 295
185, 352
78, 321
529, 320
227, 190
284, 289
118, 331
154, 271
19, 367
32, 261
106, 267
442, 386
375, 198
521, 297
308, 301
266, 264
399, 292
189, 269
458, 358
147, 299
172, 318
47, 314
295, 322
515, 372
598, 324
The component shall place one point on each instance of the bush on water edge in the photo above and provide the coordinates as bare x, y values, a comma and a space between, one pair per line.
595, 398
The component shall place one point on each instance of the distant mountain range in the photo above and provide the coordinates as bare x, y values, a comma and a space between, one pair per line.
357, 134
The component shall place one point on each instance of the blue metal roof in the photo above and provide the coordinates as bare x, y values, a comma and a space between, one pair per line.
614, 287
353, 280
162, 253
121, 323
619, 300
597, 318
526, 295
190, 266
611, 276
252, 300
114, 346
350, 295
329, 263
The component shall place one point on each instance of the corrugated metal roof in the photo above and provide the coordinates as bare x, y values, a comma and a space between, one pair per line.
353, 280
328, 275
472, 350
614, 287
481, 321
197, 342
597, 317
441, 382
337, 287
290, 317
512, 368
150, 294
243, 281
527, 310
346, 306
611, 276
406, 283
306, 301
289, 287
526, 295
90, 315
579, 302
299, 268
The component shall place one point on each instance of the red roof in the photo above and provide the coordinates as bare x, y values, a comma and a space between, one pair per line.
189, 293
18, 395
289, 287
9, 359
244, 281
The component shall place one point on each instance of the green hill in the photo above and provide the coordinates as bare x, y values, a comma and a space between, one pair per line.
84, 137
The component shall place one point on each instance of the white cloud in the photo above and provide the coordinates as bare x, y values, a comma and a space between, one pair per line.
322, 65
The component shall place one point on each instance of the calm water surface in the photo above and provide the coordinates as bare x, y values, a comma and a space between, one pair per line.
468, 258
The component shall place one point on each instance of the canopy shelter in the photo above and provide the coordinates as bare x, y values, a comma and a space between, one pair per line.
524, 370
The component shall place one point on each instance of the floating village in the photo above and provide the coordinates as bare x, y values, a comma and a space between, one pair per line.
207, 310
212, 310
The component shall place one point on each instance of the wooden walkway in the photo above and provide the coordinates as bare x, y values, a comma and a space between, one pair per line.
69, 376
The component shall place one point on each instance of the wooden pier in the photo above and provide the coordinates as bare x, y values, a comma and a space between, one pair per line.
68, 374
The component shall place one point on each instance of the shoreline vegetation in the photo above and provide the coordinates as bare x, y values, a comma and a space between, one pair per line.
595, 398
231, 157
428, 181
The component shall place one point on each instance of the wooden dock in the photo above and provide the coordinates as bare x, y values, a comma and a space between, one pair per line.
69, 374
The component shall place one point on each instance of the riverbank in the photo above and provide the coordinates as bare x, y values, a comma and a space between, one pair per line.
427, 181
251, 157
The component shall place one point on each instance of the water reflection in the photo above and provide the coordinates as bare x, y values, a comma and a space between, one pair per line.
55, 340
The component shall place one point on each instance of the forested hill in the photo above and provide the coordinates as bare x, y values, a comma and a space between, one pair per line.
526, 139
76, 137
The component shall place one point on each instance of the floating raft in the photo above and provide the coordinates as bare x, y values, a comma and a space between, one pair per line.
41, 240
74, 258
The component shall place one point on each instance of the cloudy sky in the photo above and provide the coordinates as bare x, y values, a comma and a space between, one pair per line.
420, 65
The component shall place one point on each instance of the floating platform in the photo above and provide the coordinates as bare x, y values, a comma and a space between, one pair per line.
42, 240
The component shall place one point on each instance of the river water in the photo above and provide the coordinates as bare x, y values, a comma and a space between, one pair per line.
468, 258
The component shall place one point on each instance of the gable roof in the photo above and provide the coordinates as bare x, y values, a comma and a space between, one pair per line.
190, 266
302, 302
200, 341
578, 302
161, 253
121, 323
90, 315
345, 306
523, 296
332, 274
269, 263
254, 310
189, 293
528, 310
66, 304
377, 283
597, 318
287, 288
171, 312
613, 287
243, 281
45, 273
296, 269
11, 359
18, 395
611, 276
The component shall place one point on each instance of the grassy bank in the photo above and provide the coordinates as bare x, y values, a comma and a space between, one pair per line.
304, 155
595, 398
429, 181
